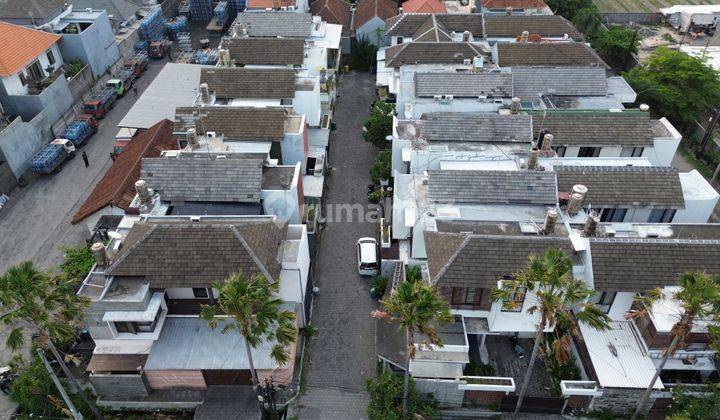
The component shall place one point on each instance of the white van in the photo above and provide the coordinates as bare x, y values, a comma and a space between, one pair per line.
367, 257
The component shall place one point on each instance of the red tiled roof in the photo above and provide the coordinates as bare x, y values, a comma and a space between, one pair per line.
515, 4
117, 186
19, 46
368, 9
268, 4
332, 11
423, 6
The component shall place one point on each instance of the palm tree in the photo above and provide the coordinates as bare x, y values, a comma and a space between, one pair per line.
417, 308
549, 280
698, 297
256, 312
46, 306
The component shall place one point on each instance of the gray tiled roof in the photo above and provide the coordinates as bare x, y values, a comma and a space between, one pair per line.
276, 23
551, 54
488, 187
599, 128
198, 254
530, 82
235, 123
463, 260
623, 264
476, 127
464, 85
266, 51
613, 186
204, 179
38, 9
238, 82
430, 53
545, 26
409, 24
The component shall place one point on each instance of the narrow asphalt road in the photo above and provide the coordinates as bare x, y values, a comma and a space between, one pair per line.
35, 224
342, 353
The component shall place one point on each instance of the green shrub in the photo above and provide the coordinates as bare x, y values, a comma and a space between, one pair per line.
479, 369
382, 167
73, 68
386, 399
78, 262
688, 404
36, 394
378, 285
364, 55
378, 124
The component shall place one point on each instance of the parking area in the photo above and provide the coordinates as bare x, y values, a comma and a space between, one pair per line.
35, 223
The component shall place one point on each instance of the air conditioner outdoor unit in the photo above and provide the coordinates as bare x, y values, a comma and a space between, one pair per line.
437, 97
467, 61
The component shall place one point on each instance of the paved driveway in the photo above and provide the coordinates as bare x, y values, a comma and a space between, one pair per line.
342, 353
35, 223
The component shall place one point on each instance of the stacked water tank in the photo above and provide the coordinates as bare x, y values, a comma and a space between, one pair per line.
222, 13
201, 10
177, 26
152, 26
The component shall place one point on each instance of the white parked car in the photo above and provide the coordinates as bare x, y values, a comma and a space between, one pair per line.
367, 255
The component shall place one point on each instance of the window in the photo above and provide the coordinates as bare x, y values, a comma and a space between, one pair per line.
399, 40
23, 78
661, 216
560, 150
286, 101
50, 57
516, 300
612, 215
36, 72
132, 327
631, 151
200, 292
603, 300
589, 152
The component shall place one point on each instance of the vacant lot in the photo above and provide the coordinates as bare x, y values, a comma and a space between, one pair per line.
643, 6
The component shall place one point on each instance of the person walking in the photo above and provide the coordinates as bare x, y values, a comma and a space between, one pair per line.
85, 159
112, 156
135, 90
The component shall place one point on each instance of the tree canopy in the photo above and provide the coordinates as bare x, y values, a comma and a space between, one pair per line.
568, 8
675, 85
378, 124
382, 167
615, 45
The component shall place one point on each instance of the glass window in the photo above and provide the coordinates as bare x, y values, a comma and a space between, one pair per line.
661, 216
200, 292
613, 215
560, 150
631, 151
589, 152
603, 300
124, 327
50, 57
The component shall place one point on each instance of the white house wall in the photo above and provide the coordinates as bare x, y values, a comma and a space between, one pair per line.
308, 102
12, 83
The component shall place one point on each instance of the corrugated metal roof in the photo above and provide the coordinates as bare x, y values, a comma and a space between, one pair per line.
189, 344
176, 85
618, 358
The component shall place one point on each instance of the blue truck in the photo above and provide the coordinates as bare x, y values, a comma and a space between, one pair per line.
77, 132
49, 159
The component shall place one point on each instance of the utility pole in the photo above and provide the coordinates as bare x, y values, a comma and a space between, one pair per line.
708, 132
74, 386
76, 414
